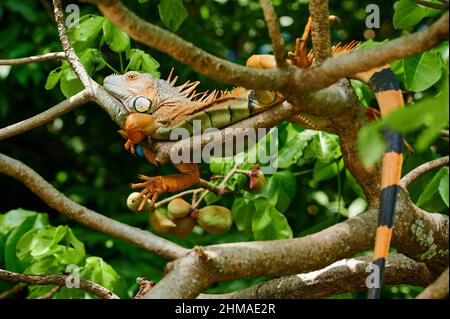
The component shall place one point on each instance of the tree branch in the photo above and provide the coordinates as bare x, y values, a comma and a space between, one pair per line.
422, 169
274, 32
58, 280
294, 81
438, 289
320, 30
71, 56
201, 61
42, 118
362, 60
287, 257
34, 58
85, 216
340, 277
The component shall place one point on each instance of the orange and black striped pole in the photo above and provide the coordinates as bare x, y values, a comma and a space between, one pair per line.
389, 97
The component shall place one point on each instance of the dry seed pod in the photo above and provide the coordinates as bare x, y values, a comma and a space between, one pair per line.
179, 208
215, 219
160, 222
134, 206
184, 226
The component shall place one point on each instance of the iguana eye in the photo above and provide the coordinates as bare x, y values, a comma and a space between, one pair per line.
131, 75
142, 104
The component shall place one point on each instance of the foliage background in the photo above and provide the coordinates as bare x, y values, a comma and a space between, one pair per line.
82, 155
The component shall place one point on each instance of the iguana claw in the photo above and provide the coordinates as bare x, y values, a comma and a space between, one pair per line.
153, 187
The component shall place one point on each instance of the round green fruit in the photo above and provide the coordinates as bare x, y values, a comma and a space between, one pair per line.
179, 208
184, 226
160, 221
215, 219
134, 206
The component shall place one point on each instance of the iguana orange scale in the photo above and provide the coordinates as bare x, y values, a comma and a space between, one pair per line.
157, 107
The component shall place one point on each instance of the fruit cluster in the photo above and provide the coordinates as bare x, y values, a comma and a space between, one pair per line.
180, 217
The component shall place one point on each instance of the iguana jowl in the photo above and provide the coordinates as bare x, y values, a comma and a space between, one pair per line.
158, 106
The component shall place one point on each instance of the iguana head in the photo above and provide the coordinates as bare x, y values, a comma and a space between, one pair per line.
136, 91
142, 93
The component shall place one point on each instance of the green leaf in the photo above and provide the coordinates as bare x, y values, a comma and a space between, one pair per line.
12, 262
142, 62
262, 216
272, 224
370, 143
98, 271
323, 147
50, 246
407, 14
116, 39
443, 188
293, 150
88, 28
281, 189
431, 190
243, 210
53, 78
421, 71
70, 84
323, 171
13, 219
172, 13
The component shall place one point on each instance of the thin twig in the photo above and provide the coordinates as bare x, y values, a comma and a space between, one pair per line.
274, 32
432, 4
72, 58
34, 58
422, 169
42, 118
59, 280
86, 216
166, 200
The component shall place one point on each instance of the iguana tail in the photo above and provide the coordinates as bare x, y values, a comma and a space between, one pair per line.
389, 97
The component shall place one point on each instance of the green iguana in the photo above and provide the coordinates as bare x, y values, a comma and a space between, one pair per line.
158, 106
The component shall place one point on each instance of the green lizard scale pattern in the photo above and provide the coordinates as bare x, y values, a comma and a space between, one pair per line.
225, 112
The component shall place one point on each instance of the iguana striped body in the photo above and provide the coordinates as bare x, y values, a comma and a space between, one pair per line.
157, 107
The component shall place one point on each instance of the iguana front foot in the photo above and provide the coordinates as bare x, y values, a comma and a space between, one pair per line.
157, 185
153, 187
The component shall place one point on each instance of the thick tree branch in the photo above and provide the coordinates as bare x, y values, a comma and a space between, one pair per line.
201, 61
340, 277
361, 60
274, 32
296, 81
86, 216
58, 280
422, 169
35, 58
320, 30
438, 289
287, 257
71, 56
42, 118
